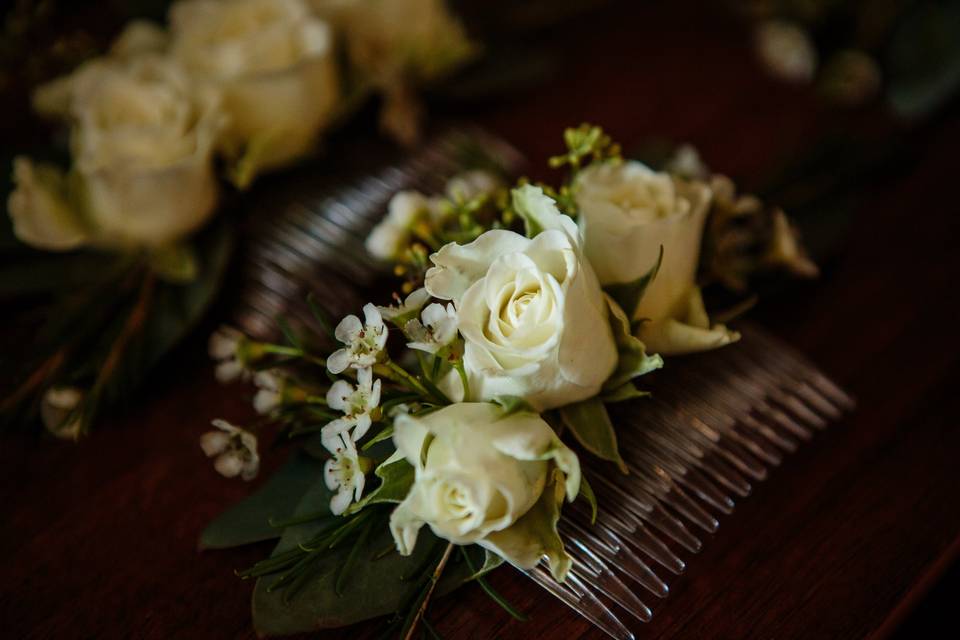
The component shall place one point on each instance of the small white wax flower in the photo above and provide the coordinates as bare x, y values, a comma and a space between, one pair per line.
235, 450
389, 238
410, 306
470, 184
58, 412
269, 391
357, 404
436, 329
344, 474
227, 347
365, 341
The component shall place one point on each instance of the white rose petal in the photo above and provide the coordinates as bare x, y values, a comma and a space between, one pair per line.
142, 140
627, 213
531, 311
273, 62
40, 210
482, 472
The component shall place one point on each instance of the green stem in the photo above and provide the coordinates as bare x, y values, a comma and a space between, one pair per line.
404, 377
294, 352
463, 379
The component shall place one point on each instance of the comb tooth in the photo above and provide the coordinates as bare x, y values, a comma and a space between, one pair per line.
772, 384
728, 476
701, 487
579, 597
593, 571
807, 370
775, 438
608, 545
687, 507
640, 537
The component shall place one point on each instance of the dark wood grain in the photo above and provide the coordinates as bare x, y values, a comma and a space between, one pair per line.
99, 539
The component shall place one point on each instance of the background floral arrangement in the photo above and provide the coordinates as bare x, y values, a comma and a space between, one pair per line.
233, 88
526, 311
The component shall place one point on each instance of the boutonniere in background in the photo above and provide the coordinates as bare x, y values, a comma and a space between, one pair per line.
440, 434
129, 249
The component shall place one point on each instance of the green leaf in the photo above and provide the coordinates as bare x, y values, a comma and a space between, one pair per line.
378, 584
396, 478
591, 426
586, 492
249, 520
629, 294
924, 59
175, 263
178, 308
512, 405
490, 562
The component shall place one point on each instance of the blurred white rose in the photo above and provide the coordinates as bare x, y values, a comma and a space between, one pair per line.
273, 61
481, 474
786, 50
627, 212
142, 139
531, 311
396, 45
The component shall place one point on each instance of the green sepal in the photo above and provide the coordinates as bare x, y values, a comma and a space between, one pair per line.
512, 405
633, 360
586, 492
629, 294
627, 391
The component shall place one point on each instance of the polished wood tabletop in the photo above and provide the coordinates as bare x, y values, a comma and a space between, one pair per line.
100, 538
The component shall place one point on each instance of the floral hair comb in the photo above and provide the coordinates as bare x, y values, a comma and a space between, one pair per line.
497, 404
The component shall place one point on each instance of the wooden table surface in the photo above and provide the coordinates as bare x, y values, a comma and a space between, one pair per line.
99, 539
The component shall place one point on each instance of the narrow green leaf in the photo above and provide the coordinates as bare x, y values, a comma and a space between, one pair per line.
591, 426
490, 591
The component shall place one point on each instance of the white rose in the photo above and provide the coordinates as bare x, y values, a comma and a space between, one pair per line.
480, 474
397, 45
531, 311
40, 208
273, 61
627, 212
142, 142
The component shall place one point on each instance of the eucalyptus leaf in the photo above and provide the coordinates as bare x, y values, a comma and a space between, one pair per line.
249, 520
591, 426
924, 59
375, 586
178, 308
629, 294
